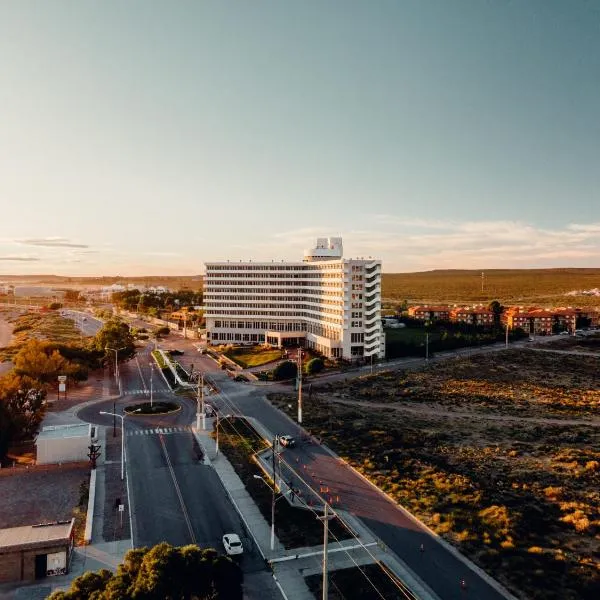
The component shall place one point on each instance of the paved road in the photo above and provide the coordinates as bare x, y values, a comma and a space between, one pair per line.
438, 567
89, 326
175, 497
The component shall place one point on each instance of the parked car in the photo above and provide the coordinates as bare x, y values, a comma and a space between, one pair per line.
175, 352
233, 544
531, 339
287, 441
564, 333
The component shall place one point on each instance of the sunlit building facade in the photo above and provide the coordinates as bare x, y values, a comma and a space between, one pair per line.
325, 302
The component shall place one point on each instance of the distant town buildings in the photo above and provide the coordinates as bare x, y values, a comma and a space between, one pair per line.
325, 302
536, 320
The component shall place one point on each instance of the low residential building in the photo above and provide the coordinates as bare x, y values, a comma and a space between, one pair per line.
475, 315
35, 551
429, 313
64, 443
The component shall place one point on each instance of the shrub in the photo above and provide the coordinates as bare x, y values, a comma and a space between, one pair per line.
285, 370
163, 331
314, 366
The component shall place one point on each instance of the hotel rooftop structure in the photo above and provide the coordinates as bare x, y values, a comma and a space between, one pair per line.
325, 302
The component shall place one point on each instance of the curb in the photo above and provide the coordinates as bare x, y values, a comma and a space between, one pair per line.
89, 519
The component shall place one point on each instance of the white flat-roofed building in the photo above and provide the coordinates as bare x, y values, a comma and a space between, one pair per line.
326, 302
63, 443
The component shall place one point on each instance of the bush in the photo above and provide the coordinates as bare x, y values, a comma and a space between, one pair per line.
314, 366
285, 370
163, 331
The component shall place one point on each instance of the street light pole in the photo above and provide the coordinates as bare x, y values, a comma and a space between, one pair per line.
122, 417
151, 384
426, 346
273, 502
117, 374
299, 385
200, 404
217, 437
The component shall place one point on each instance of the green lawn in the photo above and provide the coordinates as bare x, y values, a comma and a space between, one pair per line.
409, 335
252, 356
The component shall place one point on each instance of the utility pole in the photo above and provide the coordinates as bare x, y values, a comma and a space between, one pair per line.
426, 346
482, 280
325, 542
200, 404
273, 496
299, 378
506, 340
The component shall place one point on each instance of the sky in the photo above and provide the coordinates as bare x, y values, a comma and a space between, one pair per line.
146, 137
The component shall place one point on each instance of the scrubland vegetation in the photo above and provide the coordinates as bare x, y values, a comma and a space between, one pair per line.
539, 286
499, 453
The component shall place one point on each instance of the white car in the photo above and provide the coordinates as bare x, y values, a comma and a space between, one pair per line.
232, 544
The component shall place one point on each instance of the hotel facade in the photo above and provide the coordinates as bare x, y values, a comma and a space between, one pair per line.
325, 302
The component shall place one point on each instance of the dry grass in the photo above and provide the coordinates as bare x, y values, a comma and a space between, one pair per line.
543, 286
521, 498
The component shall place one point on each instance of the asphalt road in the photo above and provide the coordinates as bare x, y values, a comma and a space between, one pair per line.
89, 326
174, 496
437, 566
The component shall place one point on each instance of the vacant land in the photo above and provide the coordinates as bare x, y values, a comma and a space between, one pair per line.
368, 582
576, 344
42, 326
43, 494
543, 286
498, 453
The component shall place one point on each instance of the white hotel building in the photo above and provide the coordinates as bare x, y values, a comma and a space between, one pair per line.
326, 302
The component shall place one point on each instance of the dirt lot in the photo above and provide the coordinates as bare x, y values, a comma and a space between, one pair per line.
40, 494
499, 453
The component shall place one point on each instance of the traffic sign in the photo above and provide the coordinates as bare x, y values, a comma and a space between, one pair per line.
62, 378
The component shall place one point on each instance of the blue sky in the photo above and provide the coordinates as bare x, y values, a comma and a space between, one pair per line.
141, 137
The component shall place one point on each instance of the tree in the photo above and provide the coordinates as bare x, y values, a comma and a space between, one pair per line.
40, 361
115, 334
497, 310
163, 572
314, 366
285, 370
21, 409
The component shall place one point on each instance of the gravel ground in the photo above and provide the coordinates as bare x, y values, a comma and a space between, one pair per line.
40, 494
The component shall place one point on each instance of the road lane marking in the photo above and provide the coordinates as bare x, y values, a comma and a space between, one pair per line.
178, 490
137, 362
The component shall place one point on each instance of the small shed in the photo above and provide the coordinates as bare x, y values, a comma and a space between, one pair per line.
35, 551
63, 443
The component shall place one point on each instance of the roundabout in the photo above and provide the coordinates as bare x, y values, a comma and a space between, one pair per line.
145, 409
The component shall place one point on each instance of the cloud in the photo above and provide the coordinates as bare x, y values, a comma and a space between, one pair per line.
407, 244
51, 242
19, 258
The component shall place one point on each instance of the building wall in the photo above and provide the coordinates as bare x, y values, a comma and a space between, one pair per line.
55, 450
334, 304
19, 565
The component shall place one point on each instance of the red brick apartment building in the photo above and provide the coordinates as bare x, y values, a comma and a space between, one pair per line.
429, 313
547, 321
477, 315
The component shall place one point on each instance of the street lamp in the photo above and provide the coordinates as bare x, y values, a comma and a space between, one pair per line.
117, 376
151, 386
273, 501
200, 404
122, 417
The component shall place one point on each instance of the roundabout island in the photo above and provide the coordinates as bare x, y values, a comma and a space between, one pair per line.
158, 407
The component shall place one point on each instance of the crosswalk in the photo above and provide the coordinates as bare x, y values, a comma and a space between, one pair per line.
159, 430
146, 392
